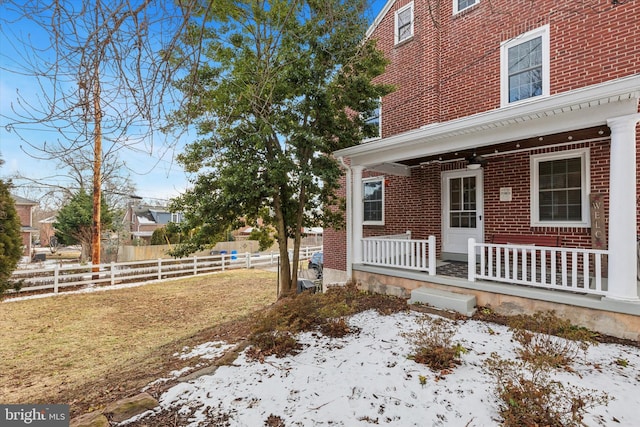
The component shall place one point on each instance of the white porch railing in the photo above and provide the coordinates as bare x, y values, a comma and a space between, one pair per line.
400, 252
571, 269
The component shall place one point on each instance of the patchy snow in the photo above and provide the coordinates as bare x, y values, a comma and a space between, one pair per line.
208, 350
367, 378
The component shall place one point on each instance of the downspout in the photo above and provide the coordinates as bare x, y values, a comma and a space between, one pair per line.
349, 219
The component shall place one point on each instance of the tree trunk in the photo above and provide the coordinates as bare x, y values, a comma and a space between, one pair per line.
297, 237
286, 285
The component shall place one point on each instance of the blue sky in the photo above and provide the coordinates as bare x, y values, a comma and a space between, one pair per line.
152, 166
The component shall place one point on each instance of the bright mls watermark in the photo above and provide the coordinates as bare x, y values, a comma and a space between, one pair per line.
34, 415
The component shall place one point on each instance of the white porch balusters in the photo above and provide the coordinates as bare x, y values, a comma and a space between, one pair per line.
358, 213
623, 283
471, 260
431, 254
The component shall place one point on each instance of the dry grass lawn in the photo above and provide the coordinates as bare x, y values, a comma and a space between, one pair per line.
87, 349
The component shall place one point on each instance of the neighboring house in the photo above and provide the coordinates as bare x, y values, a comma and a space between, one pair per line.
143, 220
47, 231
24, 208
512, 123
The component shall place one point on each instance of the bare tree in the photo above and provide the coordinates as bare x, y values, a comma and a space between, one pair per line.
74, 172
103, 75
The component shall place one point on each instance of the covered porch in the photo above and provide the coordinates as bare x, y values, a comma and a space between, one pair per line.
414, 177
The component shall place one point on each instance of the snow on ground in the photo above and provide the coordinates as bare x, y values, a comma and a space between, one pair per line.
367, 379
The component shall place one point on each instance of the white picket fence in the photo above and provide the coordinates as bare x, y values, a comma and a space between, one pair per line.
61, 276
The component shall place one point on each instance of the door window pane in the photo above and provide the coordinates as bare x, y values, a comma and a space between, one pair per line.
462, 202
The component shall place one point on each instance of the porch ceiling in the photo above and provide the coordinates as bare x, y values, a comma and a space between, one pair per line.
581, 114
523, 144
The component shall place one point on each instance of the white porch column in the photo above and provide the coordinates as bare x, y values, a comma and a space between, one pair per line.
348, 219
358, 213
623, 283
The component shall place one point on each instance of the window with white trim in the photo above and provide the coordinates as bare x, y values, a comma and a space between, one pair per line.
373, 200
524, 66
176, 217
373, 123
404, 23
560, 186
460, 5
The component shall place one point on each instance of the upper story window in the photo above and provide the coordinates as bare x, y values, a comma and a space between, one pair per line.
373, 199
524, 64
560, 189
176, 217
373, 123
404, 23
460, 5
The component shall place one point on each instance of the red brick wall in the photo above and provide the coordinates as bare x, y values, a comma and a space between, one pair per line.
334, 242
412, 63
24, 213
453, 70
513, 170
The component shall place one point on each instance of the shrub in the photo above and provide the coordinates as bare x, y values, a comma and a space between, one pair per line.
273, 330
549, 340
277, 343
530, 397
10, 238
336, 328
432, 344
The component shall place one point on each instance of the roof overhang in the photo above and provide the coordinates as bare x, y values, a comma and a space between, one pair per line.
378, 19
576, 109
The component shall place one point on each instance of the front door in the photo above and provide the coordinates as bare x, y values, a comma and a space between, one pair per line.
462, 211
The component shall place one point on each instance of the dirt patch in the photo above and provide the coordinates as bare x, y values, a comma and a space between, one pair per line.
90, 349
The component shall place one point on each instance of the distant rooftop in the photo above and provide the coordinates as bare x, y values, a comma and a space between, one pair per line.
22, 201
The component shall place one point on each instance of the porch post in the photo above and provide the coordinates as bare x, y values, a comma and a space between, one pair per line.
358, 213
623, 283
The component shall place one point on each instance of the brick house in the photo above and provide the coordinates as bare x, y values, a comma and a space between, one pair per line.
142, 221
510, 144
24, 208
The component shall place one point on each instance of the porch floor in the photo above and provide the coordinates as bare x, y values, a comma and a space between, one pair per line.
452, 269
459, 270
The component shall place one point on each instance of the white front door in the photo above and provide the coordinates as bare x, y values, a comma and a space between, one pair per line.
462, 211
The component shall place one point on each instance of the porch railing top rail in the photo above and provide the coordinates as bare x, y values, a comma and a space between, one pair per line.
540, 247
402, 236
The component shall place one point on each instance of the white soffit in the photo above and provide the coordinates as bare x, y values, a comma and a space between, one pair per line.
577, 109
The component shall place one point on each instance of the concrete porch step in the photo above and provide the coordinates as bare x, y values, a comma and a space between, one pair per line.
438, 298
